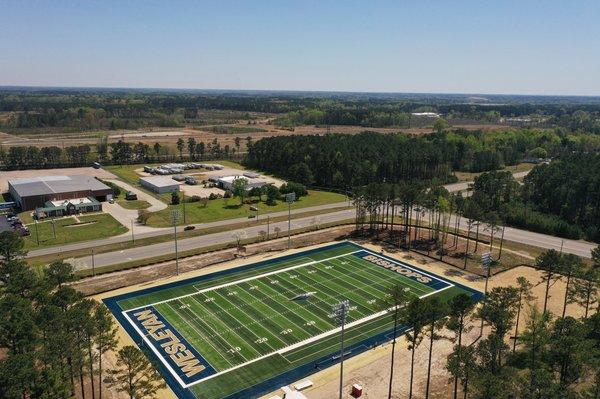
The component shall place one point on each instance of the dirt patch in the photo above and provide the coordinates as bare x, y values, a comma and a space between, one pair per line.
152, 273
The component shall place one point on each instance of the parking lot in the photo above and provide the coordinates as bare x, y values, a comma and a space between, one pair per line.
14, 224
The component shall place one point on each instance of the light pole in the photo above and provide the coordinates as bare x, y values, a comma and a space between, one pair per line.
132, 236
340, 311
174, 219
268, 217
53, 228
290, 198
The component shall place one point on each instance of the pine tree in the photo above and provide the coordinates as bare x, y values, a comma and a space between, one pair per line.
135, 375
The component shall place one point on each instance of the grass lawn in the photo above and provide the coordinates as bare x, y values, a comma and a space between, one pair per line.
470, 176
221, 209
101, 225
133, 204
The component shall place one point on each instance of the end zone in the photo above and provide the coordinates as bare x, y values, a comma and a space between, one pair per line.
181, 359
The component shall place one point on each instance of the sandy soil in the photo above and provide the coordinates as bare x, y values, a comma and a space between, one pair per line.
371, 369
16, 174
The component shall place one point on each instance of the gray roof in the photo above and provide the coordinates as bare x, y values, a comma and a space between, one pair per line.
45, 185
160, 181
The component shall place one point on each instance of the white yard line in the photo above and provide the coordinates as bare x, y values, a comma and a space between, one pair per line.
244, 280
308, 340
287, 348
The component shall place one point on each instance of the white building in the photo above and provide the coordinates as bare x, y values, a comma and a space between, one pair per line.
159, 184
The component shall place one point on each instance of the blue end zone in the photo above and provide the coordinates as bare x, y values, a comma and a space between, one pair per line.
403, 269
286, 377
171, 345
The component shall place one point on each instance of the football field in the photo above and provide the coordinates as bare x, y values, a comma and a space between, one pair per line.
247, 330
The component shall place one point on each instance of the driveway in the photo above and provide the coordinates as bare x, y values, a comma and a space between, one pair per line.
156, 204
465, 186
127, 216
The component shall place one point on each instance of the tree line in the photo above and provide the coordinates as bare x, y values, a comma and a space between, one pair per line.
560, 198
120, 152
53, 340
87, 109
527, 352
342, 160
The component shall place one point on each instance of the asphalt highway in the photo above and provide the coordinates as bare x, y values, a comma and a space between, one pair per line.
581, 248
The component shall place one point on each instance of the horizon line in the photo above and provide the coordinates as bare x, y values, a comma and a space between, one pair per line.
174, 89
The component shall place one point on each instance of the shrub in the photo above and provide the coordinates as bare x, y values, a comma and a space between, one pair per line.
292, 187
116, 189
175, 198
143, 216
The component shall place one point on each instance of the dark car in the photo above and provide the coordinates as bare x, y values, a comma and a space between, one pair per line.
188, 228
130, 196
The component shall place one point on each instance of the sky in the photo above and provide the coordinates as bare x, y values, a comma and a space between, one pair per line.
463, 46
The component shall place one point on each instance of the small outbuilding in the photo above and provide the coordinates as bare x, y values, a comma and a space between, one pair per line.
159, 184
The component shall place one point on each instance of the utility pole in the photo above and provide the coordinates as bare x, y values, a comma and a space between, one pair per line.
290, 198
53, 228
132, 236
486, 264
174, 219
268, 217
340, 311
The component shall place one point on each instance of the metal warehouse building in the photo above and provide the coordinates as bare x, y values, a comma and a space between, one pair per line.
34, 192
160, 184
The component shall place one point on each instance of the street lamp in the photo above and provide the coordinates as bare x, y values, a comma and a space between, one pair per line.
290, 198
340, 311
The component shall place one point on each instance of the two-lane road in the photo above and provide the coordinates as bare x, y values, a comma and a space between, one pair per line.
581, 248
